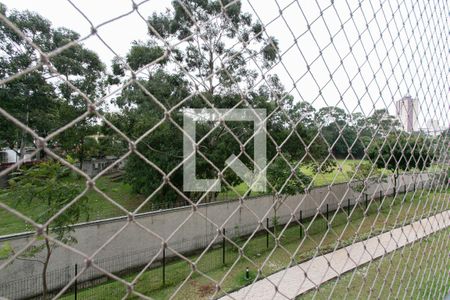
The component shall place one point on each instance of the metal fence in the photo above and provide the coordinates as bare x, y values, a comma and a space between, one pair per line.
337, 88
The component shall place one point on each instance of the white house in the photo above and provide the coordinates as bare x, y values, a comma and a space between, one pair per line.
8, 156
11, 156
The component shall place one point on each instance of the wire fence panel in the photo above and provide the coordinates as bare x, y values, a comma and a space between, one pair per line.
225, 149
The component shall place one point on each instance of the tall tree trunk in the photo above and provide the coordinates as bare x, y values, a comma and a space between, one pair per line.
211, 67
44, 269
395, 181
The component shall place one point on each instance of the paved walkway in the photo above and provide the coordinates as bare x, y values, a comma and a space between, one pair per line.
329, 266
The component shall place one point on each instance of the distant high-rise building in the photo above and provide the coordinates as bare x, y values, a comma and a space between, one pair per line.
407, 110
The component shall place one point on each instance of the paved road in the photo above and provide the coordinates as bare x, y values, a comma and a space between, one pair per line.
292, 282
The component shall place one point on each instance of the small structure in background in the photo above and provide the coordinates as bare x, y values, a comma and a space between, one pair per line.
9, 157
13, 155
93, 166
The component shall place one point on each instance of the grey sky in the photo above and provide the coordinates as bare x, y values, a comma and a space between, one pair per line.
413, 62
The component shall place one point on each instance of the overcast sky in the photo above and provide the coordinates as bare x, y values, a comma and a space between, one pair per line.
410, 41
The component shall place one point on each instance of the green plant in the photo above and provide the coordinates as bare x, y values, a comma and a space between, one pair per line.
46, 185
285, 179
5, 250
275, 223
364, 173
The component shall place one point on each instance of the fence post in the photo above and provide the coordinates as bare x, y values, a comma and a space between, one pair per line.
76, 282
301, 223
164, 265
381, 196
367, 200
223, 246
267, 232
327, 214
395, 185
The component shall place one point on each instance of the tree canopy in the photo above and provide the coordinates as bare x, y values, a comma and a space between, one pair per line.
42, 99
198, 54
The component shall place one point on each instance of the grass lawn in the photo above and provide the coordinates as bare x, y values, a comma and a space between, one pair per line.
338, 175
99, 207
199, 287
417, 271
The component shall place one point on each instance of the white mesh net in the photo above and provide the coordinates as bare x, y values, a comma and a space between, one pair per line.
237, 150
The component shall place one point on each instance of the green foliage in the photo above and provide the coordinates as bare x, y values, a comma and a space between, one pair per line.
47, 185
276, 223
285, 180
166, 81
365, 171
143, 54
401, 151
200, 33
34, 98
5, 250
381, 123
341, 132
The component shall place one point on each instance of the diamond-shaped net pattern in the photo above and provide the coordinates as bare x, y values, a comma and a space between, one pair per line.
357, 161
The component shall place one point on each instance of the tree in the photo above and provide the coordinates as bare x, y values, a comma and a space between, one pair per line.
164, 146
49, 186
210, 27
285, 182
364, 173
336, 130
381, 123
401, 152
40, 99
29, 98
202, 68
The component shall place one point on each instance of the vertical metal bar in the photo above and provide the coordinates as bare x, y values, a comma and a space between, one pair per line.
328, 217
76, 282
267, 232
223, 246
367, 201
